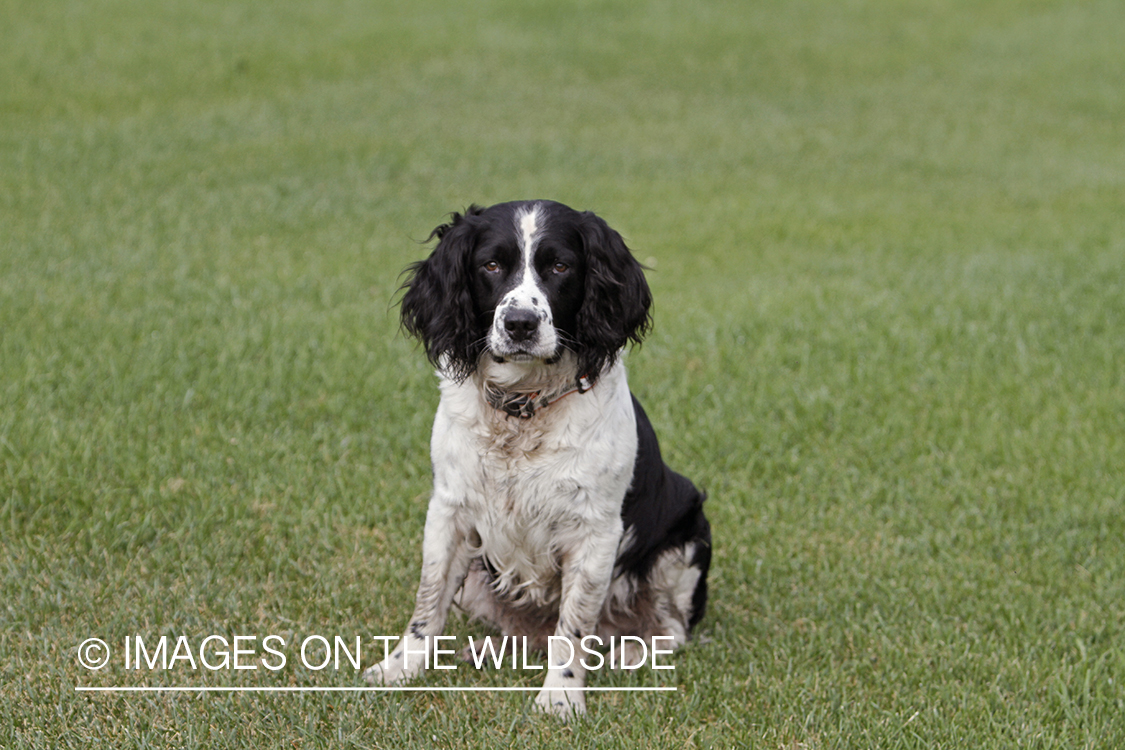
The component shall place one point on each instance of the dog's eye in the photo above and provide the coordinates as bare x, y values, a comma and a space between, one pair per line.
561, 267
491, 266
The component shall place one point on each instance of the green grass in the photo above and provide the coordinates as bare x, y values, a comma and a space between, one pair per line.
887, 242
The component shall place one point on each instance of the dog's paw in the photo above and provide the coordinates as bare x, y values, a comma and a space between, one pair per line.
565, 704
555, 699
376, 675
392, 670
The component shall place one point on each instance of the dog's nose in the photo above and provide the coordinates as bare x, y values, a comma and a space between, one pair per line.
520, 324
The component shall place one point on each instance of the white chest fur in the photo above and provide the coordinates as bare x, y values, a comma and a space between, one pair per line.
527, 491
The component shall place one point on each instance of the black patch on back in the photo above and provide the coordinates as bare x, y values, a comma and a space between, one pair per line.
664, 510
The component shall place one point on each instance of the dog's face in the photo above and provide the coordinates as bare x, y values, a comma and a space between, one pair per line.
526, 282
527, 285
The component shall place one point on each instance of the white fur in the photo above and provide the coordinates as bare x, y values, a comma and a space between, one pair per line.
539, 498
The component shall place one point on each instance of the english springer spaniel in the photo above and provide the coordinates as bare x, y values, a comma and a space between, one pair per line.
552, 511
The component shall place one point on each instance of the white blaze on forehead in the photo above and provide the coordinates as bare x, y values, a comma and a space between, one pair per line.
527, 294
527, 221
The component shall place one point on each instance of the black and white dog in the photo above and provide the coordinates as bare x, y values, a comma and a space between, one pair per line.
552, 512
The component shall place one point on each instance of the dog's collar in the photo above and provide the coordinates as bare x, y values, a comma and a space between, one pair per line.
524, 405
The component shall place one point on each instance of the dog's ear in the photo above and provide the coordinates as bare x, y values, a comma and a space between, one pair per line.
437, 307
615, 309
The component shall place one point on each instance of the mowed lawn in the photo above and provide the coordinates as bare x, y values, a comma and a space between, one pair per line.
887, 243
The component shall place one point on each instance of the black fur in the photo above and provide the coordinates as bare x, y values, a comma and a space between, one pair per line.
664, 510
601, 307
615, 308
438, 307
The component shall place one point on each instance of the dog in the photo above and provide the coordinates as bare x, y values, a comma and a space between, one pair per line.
552, 513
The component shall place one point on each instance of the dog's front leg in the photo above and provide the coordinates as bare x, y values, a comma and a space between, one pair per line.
445, 561
587, 571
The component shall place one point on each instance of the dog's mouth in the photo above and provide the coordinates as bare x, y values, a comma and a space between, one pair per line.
525, 355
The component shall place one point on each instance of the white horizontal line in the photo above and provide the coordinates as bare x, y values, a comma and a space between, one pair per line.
188, 689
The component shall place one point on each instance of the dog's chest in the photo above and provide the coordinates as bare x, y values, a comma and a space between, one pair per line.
525, 468
529, 492
527, 510
533, 503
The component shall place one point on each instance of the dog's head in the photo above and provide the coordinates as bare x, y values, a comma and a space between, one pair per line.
526, 282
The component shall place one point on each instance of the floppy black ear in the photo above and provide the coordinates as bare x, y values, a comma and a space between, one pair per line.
437, 307
615, 309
